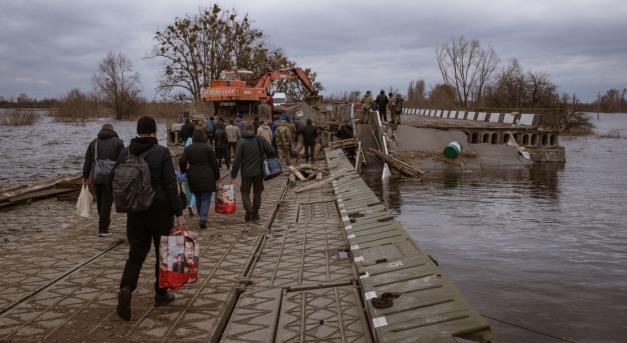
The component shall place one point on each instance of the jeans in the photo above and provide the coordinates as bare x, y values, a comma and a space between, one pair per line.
203, 202
256, 182
309, 152
104, 201
142, 229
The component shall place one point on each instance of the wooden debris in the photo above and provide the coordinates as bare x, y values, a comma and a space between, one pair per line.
318, 184
298, 174
343, 143
292, 180
403, 168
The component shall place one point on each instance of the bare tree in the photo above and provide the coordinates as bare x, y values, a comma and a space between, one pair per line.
415, 93
442, 96
200, 48
466, 67
117, 86
514, 88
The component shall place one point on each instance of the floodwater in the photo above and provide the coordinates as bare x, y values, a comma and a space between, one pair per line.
48, 148
541, 253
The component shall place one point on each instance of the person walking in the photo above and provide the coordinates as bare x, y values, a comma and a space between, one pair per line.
310, 133
149, 225
248, 157
382, 103
283, 138
240, 122
398, 109
391, 106
233, 134
366, 104
202, 173
187, 130
107, 146
200, 125
265, 132
222, 147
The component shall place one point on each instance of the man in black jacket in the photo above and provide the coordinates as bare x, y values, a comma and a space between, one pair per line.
382, 103
187, 130
248, 157
310, 133
109, 148
148, 226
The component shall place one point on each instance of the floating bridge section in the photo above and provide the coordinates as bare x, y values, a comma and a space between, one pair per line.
426, 307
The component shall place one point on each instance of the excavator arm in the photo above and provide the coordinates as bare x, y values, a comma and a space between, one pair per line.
286, 74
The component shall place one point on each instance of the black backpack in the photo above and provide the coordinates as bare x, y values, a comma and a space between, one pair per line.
132, 191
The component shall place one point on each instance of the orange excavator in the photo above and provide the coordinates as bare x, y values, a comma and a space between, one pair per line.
239, 93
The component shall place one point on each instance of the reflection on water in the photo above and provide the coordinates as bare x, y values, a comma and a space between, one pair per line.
544, 248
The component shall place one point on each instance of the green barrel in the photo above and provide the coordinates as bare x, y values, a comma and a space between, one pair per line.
453, 149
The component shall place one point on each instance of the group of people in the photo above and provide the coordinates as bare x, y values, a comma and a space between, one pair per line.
202, 166
383, 103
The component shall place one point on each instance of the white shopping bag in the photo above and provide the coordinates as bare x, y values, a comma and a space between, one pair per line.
83, 205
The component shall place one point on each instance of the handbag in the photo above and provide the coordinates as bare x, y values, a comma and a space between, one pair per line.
83, 205
271, 166
178, 258
225, 198
103, 168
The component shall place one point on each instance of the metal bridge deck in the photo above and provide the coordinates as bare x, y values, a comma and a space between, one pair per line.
306, 272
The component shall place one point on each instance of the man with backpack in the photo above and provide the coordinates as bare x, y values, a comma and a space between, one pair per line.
107, 146
144, 226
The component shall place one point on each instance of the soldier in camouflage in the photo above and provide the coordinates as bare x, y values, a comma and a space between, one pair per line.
366, 104
283, 137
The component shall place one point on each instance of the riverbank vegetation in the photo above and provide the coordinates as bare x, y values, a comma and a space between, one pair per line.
19, 117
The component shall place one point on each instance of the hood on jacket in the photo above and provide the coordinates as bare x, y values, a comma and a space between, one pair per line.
139, 144
248, 134
199, 136
106, 133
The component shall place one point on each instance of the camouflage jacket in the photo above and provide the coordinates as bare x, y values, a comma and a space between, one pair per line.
232, 133
283, 135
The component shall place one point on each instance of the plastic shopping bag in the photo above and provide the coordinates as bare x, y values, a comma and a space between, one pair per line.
178, 257
225, 199
83, 205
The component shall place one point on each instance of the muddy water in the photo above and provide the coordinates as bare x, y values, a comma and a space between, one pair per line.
48, 148
540, 252
544, 249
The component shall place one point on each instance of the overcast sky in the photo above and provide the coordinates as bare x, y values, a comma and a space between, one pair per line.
50, 47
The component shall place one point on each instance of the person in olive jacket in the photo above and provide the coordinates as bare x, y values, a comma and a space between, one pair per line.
248, 157
201, 165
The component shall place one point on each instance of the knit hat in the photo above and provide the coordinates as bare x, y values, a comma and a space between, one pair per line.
107, 127
146, 124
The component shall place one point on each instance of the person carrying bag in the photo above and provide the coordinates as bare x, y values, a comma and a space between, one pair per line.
100, 158
248, 158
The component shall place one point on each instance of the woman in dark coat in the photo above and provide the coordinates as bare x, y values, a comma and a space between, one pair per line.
199, 162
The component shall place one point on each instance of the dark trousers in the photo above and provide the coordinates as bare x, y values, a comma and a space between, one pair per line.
228, 151
104, 201
143, 229
384, 113
223, 153
310, 150
256, 182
